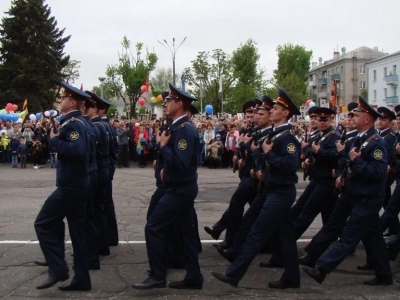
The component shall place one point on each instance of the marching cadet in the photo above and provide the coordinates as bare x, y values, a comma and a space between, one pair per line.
383, 127
281, 161
264, 123
103, 177
112, 227
245, 193
72, 143
308, 169
365, 179
179, 149
332, 229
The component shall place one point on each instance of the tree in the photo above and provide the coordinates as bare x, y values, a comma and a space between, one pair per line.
291, 74
204, 75
71, 71
108, 93
125, 78
31, 53
162, 77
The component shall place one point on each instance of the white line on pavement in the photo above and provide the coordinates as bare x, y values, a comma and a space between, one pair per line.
126, 242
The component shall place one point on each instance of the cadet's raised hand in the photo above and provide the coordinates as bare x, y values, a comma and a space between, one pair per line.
353, 153
315, 147
164, 139
267, 147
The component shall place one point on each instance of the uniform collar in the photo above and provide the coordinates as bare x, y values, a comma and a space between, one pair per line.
178, 119
69, 115
266, 128
314, 132
382, 132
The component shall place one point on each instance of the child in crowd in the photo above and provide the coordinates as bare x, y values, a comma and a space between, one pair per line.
4, 147
22, 151
13, 148
36, 152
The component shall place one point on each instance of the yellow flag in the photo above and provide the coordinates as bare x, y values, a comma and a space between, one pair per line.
24, 111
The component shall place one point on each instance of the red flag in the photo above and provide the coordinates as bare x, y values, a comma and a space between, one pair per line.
333, 95
81, 86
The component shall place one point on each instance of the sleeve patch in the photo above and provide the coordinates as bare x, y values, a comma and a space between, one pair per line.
291, 148
74, 135
378, 154
182, 144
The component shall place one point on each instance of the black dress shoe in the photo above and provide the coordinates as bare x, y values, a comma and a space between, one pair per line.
388, 234
186, 284
94, 266
315, 273
392, 255
52, 280
214, 234
74, 286
105, 251
42, 263
365, 267
379, 281
225, 254
150, 283
270, 265
282, 285
306, 260
225, 278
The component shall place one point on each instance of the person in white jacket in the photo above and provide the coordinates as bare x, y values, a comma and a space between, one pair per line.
209, 135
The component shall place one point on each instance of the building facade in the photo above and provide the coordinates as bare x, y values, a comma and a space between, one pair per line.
383, 80
349, 71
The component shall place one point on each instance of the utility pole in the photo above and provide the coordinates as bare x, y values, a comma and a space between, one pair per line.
173, 51
101, 86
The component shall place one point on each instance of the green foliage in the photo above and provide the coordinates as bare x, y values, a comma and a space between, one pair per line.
364, 94
111, 112
291, 74
31, 54
71, 71
125, 79
162, 77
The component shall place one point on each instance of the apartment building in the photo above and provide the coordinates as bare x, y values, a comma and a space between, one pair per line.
349, 71
383, 80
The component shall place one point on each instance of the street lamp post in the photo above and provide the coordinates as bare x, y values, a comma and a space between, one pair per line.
173, 51
201, 78
101, 86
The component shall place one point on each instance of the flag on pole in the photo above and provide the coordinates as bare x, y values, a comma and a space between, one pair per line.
81, 86
24, 110
147, 83
333, 95
183, 82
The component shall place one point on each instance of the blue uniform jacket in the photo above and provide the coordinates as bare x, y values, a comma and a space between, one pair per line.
113, 143
258, 153
180, 155
103, 150
367, 173
343, 155
391, 141
94, 137
73, 148
283, 158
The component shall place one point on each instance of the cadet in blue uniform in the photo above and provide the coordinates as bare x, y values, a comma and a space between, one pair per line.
179, 149
103, 177
72, 143
109, 208
281, 157
265, 125
332, 229
366, 179
245, 193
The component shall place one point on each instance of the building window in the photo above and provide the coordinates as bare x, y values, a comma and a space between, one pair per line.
363, 84
385, 92
362, 69
394, 69
395, 91
337, 70
374, 94
374, 75
384, 72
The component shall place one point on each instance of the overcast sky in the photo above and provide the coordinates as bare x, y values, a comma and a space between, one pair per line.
97, 27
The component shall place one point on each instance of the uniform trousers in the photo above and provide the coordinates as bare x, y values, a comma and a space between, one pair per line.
176, 206
49, 226
364, 224
298, 207
390, 218
273, 219
112, 232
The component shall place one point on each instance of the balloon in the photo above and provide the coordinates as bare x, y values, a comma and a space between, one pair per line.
51, 112
2, 116
7, 118
32, 117
38, 116
153, 100
9, 107
58, 118
209, 109
141, 101
14, 118
159, 98
143, 88
14, 107
312, 104
308, 102
47, 113
55, 113
19, 120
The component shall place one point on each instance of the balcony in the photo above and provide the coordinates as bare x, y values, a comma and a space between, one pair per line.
335, 77
392, 79
322, 80
392, 100
322, 95
312, 83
